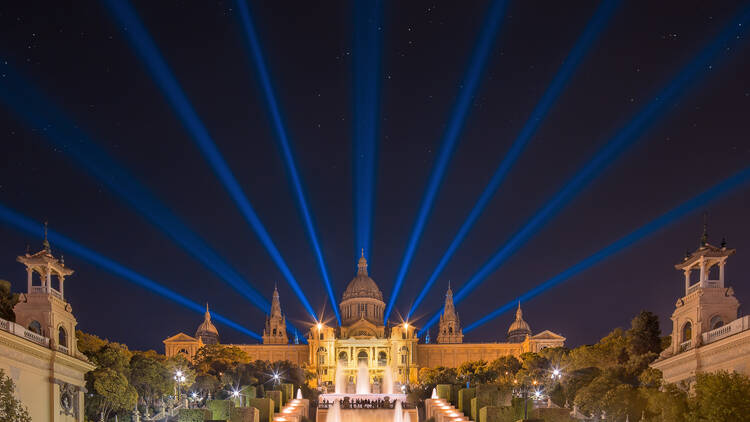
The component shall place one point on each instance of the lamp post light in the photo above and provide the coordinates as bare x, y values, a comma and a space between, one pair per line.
179, 378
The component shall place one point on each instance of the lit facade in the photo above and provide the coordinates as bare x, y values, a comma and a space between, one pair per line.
708, 334
38, 351
362, 337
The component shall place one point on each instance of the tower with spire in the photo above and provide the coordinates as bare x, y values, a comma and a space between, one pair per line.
275, 330
206, 332
43, 309
708, 303
449, 329
519, 329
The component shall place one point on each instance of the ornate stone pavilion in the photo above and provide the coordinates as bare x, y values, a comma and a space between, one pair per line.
38, 351
362, 336
707, 332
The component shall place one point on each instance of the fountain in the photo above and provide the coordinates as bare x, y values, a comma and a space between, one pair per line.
387, 387
299, 393
363, 378
334, 413
398, 413
434, 393
340, 379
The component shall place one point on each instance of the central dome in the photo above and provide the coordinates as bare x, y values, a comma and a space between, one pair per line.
362, 299
362, 286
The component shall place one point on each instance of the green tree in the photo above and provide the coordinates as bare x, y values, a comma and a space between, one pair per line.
112, 393
215, 359
150, 377
88, 344
11, 409
8, 300
506, 368
721, 396
430, 377
670, 404
476, 372
644, 335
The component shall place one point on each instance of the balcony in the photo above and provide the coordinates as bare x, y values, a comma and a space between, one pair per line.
710, 284
737, 326
20, 331
685, 345
44, 291
63, 349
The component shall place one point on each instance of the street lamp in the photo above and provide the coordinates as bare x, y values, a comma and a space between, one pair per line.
179, 377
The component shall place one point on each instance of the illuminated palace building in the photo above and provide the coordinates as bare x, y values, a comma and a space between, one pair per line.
362, 336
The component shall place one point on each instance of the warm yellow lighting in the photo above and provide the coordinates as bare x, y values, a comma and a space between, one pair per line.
406, 326
320, 326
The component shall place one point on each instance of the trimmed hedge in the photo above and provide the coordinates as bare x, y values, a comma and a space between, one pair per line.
275, 395
193, 415
265, 408
244, 414
220, 409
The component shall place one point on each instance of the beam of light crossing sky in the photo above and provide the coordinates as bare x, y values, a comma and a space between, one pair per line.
590, 34
146, 49
24, 224
624, 242
39, 113
455, 125
283, 139
700, 65
366, 104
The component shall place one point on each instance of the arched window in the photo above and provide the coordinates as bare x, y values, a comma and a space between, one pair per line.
716, 322
343, 356
403, 336
321, 355
687, 331
183, 351
322, 336
382, 359
450, 330
62, 337
362, 356
274, 331
36, 327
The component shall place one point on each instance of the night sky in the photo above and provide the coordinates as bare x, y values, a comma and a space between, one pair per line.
78, 56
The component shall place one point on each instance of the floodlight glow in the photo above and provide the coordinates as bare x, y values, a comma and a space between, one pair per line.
455, 125
24, 224
621, 140
366, 109
38, 112
283, 139
737, 180
589, 35
146, 49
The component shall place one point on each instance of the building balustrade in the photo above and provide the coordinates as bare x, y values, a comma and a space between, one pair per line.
685, 345
734, 327
62, 348
20, 331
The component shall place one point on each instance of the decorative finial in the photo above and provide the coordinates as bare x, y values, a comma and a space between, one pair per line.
362, 264
704, 237
62, 260
723, 242
46, 242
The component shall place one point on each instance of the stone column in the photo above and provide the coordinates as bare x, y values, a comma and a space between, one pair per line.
721, 274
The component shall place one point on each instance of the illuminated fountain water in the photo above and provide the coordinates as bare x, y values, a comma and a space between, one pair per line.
340, 379
398, 412
334, 413
387, 387
363, 378
299, 393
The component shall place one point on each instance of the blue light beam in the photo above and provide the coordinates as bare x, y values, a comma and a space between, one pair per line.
146, 49
622, 139
366, 105
590, 34
283, 139
455, 125
24, 224
624, 242
41, 114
